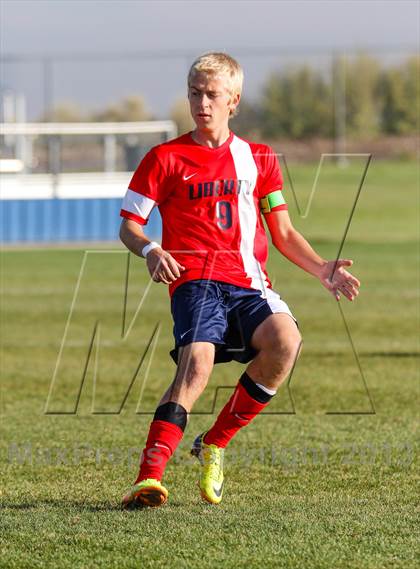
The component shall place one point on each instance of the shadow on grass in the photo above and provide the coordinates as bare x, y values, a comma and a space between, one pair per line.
80, 506
380, 354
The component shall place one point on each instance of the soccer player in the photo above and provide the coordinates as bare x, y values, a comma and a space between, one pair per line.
212, 188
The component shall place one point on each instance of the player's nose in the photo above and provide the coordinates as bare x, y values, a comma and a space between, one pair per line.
204, 102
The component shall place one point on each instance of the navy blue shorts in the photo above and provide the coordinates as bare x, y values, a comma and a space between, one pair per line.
224, 314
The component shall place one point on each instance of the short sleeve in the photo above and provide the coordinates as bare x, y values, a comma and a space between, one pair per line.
271, 177
147, 188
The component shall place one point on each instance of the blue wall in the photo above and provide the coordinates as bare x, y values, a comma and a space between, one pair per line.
53, 220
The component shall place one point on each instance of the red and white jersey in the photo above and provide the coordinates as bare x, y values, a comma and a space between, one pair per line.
209, 202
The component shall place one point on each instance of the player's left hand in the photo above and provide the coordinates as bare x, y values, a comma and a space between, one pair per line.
341, 282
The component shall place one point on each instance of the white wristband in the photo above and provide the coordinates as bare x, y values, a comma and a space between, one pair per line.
149, 248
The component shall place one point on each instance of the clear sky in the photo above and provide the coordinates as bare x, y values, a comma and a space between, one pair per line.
300, 30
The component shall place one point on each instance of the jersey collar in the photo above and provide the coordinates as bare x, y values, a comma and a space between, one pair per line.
218, 148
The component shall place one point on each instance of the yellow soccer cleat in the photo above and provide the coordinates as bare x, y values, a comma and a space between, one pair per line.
211, 477
149, 492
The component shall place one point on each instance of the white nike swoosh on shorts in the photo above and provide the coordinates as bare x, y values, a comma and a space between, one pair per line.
184, 333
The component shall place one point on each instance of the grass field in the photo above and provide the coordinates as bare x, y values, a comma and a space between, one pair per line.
327, 480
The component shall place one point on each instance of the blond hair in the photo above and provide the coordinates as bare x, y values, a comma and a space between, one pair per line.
219, 63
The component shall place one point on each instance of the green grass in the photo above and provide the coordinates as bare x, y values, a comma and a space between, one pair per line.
309, 489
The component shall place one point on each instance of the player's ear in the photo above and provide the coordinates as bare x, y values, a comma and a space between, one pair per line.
234, 102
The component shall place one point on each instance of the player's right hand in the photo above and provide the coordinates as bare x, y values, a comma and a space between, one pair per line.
163, 268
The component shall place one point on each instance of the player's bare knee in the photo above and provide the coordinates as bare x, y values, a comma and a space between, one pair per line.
197, 354
195, 375
284, 346
198, 379
195, 370
282, 354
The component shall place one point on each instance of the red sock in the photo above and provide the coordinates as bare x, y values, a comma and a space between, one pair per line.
161, 443
238, 412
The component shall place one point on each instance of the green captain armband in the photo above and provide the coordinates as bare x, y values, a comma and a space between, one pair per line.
269, 202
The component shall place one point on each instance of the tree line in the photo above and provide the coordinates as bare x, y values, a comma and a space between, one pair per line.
304, 102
